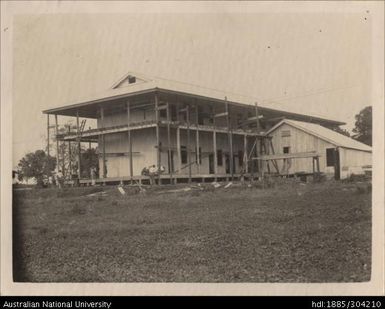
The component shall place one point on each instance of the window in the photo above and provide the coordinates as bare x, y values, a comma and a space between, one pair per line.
286, 149
219, 157
131, 79
240, 158
330, 156
183, 153
285, 133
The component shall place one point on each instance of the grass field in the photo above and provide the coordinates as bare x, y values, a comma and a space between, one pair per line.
288, 233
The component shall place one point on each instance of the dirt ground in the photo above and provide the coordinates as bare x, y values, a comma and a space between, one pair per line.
287, 232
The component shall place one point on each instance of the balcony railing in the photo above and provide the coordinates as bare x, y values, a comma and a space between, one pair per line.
151, 123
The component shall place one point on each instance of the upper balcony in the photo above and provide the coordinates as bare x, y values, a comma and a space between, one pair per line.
93, 134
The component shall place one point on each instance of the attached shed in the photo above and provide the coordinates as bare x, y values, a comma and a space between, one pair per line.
340, 155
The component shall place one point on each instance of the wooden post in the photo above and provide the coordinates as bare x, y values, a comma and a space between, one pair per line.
260, 165
169, 142
257, 116
197, 138
129, 140
337, 175
48, 134
158, 154
79, 145
230, 139
63, 158
103, 143
245, 156
215, 147
251, 163
178, 148
262, 170
267, 151
69, 154
188, 143
57, 142
89, 143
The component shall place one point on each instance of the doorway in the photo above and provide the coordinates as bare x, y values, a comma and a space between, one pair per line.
227, 163
337, 174
211, 163
170, 156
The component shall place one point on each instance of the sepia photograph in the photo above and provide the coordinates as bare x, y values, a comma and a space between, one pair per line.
193, 142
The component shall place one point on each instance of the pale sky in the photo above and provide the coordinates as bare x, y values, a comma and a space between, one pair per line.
318, 61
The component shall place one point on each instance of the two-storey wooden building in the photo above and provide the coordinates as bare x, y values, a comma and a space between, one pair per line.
195, 133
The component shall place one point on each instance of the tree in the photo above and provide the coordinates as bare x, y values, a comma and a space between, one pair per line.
67, 156
37, 165
69, 153
341, 131
363, 126
89, 159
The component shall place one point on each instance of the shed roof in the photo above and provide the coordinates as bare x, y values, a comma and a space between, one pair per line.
326, 134
147, 84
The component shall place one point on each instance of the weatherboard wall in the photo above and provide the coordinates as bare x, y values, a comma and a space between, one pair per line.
354, 161
351, 161
300, 141
145, 152
117, 159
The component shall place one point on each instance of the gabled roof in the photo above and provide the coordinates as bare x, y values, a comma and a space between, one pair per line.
145, 84
125, 80
325, 134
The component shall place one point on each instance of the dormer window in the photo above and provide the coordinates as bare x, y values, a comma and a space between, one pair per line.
131, 79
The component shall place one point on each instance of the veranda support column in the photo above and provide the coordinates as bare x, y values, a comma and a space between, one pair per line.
103, 143
257, 117
197, 138
158, 159
215, 147
63, 163
259, 164
245, 156
178, 149
169, 142
79, 145
57, 142
48, 134
129, 141
69, 155
188, 142
89, 143
230, 139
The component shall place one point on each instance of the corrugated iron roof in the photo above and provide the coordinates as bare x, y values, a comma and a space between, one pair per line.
326, 134
147, 84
